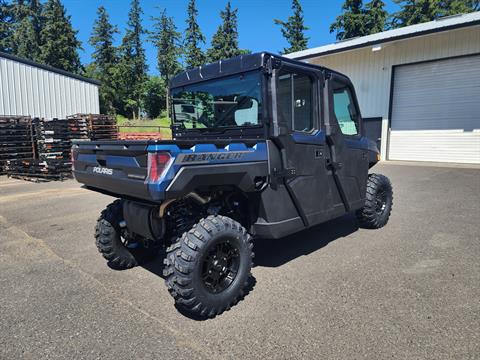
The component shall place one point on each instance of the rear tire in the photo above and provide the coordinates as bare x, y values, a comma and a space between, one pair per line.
378, 203
207, 269
109, 242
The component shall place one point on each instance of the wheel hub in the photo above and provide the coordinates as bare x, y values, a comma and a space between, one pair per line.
220, 267
380, 201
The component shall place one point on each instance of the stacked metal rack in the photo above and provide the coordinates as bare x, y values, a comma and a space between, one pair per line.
100, 127
39, 150
54, 137
38, 170
16, 140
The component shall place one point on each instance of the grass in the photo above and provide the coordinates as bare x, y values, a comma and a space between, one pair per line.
161, 125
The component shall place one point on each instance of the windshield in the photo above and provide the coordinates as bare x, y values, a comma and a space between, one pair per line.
234, 101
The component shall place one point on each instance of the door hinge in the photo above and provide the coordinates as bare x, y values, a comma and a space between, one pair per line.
333, 165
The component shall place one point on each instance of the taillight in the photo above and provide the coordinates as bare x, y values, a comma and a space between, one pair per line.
157, 164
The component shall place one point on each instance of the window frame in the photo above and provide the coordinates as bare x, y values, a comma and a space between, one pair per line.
314, 101
351, 92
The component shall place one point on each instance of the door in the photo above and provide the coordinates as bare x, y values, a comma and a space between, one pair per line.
348, 148
373, 130
302, 141
435, 111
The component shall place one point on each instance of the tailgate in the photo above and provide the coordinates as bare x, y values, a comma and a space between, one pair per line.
117, 168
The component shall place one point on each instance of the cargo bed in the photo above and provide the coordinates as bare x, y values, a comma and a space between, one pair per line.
120, 168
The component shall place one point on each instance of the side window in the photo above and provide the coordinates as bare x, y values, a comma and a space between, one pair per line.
295, 93
345, 110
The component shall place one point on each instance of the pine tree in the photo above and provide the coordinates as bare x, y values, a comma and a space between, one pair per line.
453, 7
225, 40
352, 22
194, 55
375, 17
6, 26
418, 11
26, 30
415, 12
58, 38
105, 59
132, 69
293, 30
167, 40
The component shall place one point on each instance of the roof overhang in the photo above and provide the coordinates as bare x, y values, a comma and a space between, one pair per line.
48, 68
440, 25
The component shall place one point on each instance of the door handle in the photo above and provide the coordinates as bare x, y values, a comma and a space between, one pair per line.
318, 154
333, 165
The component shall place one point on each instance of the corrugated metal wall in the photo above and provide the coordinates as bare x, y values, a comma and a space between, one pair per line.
371, 72
31, 91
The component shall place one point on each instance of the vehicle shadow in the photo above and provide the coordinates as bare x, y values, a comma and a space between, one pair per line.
277, 252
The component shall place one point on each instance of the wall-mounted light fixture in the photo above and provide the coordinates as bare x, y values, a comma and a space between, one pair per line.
376, 48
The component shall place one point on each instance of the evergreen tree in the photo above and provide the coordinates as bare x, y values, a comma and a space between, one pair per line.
26, 30
194, 55
352, 22
167, 40
293, 30
375, 17
132, 69
415, 12
225, 40
105, 59
59, 44
154, 97
453, 7
6, 26
418, 11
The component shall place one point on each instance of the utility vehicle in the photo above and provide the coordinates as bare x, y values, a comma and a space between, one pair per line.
263, 147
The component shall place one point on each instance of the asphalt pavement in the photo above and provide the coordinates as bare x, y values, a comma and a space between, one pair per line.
408, 291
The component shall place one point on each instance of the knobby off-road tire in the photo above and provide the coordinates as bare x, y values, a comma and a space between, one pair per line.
109, 242
378, 203
202, 281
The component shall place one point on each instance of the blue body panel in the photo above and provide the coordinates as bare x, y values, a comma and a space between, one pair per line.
248, 154
361, 143
316, 138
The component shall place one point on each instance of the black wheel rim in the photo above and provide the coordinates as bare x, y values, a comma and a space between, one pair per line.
220, 266
381, 201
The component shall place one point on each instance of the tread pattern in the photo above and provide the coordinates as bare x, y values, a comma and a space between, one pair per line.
107, 238
181, 257
367, 216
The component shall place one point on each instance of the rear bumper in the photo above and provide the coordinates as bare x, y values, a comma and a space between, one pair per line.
114, 186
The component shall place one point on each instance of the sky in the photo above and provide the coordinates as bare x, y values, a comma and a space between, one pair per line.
257, 31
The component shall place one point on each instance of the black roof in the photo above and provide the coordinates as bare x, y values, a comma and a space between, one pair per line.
48, 68
231, 66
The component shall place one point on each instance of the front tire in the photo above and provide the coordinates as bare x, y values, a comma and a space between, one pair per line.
208, 268
378, 203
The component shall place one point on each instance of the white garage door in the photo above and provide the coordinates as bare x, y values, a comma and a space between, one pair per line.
436, 111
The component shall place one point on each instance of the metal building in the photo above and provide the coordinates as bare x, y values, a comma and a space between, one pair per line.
31, 89
418, 87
